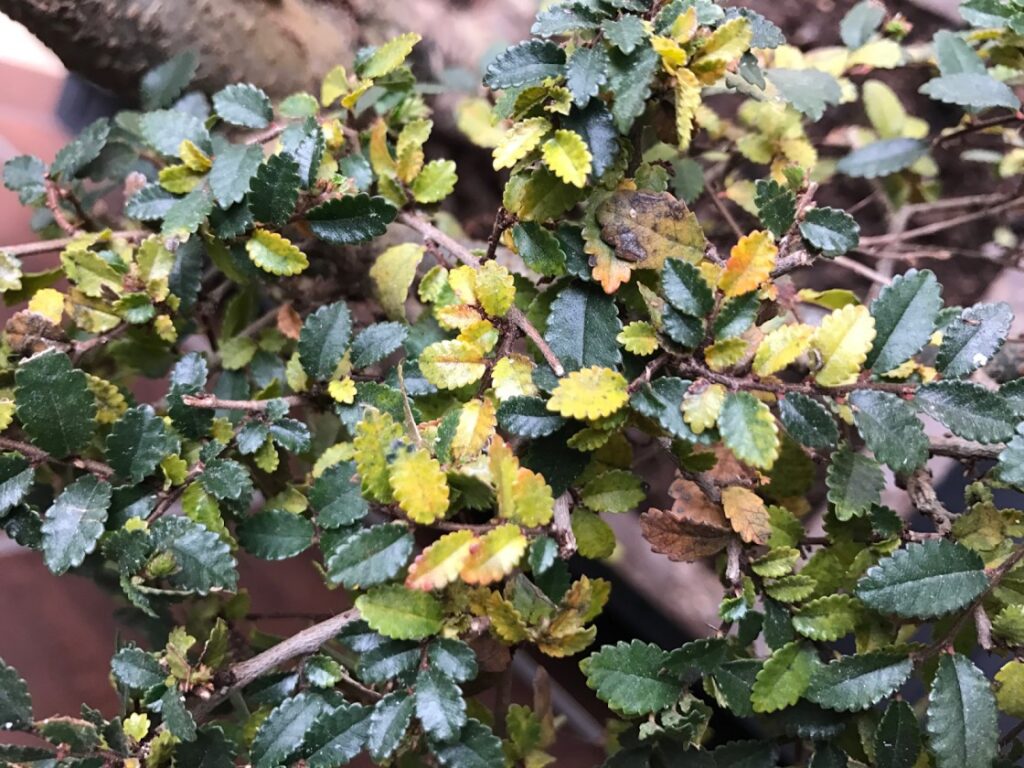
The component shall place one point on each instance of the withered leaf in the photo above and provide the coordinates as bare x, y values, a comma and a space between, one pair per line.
680, 538
645, 228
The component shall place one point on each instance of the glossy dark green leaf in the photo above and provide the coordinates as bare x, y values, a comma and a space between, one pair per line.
477, 747
527, 63
625, 33
226, 479
165, 129
274, 190
370, 556
810, 91
968, 409
452, 658
234, 165
924, 580
188, 213
852, 683
685, 330
137, 443
855, 483
389, 660
177, 719
324, 338
282, 734
82, 150
211, 749
350, 220
905, 314
660, 401
203, 560
891, 429
26, 175
807, 421
629, 677
189, 378
962, 718
595, 124
971, 90
54, 403
388, 723
585, 73
776, 205
16, 478
562, 18
528, 417
897, 737
582, 327
685, 288
831, 231
15, 701
440, 707
629, 78
539, 249
136, 669
151, 203
74, 522
336, 497
736, 316
970, 341
337, 736
244, 105
377, 341
275, 534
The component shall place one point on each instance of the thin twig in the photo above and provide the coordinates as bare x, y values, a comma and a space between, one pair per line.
49, 246
976, 125
940, 226
53, 195
460, 252
39, 456
206, 400
862, 269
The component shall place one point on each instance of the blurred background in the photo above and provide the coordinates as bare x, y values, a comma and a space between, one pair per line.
59, 70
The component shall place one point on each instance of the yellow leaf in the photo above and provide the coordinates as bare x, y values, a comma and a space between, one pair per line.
457, 316
164, 327
879, 54
194, 157
334, 86
481, 334
463, 282
687, 102
1010, 690
568, 157
266, 457
726, 353
342, 391
750, 264
843, 341
521, 139
645, 228
381, 161
781, 347
747, 514
48, 303
671, 53
495, 288
179, 179
440, 563
590, 393
275, 254
701, 409
393, 273
494, 555
512, 376
452, 364
110, 403
727, 43
389, 56
476, 424
638, 338
6, 412
477, 120
349, 100
374, 438
334, 454
420, 486
409, 148
521, 494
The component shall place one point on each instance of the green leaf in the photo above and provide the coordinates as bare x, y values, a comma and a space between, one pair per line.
234, 165
784, 677
274, 190
477, 747
629, 78
625, 33
350, 220
336, 497
435, 182
82, 150
582, 327
404, 614
16, 477
528, 417
539, 249
826, 619
563, 18
585, 73
736, 316
891, 429
54, 403
188, 213
527, 63
748, 429
807, 421
852, 683
882, 158
776, 205
203, 560
685, 288
897, 737
226, 479
831, 231
281, 735
337, 736
660, 402
954, 56
243, 105
969, 410
163, 84
74, 522
324, 338
375, 342
617, 490
189, 378
165, 129
453, 658
370, 556
151, 203
15, 701
135, 669
440, 707
26, 175
970, 341
962, 728
855, 483
809, 90
860, 23
971, 90
211, 749
177, 719
137, 443
388, 723
275, 534
597, 127
905, 314
629, 678
1011, 461
924, 580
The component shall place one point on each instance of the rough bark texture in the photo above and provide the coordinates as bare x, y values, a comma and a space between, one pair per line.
281, 45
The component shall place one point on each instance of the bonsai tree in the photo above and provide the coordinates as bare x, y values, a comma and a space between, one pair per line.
189, 382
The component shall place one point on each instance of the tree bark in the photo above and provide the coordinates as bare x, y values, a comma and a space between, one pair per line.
281, 45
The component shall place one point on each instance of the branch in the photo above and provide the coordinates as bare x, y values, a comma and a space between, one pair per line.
460, 252
939, 226
206, 400
53, 195
299, 644
39, 456
753, 382
964, 449
48, 246
977, 125
926, 501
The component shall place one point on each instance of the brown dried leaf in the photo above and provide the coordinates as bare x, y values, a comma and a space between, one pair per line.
681, 538
691, 503
647, 227
747, 513
288, 321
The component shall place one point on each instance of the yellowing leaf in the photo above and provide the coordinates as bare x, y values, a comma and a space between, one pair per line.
342, 391
375, 435
750, 264
110, 402
747, 514
879, 54
522, 494
672, 53
687, 102
638, 338
1010, 691
843, 341
590, 393
481, 334
494, 555
274, 254
521, 139
568, 157
727, 43
512, 376
645, 228
409, 148
381, 161
701, 409
334, 86
452, 364
48, 303
462, 281
420, 486
440, 563
781, 347
476, 424
193, 157
389, 56
495, 288
726, 353
179, 179
435, 182
477, 120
